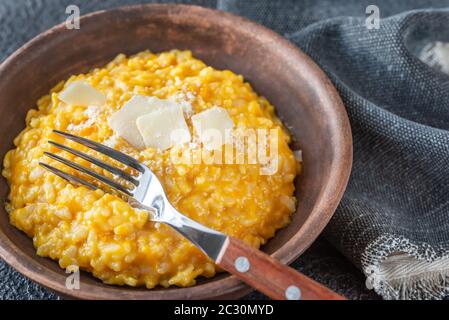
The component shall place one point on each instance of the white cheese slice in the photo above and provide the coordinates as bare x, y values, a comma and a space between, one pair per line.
82, 94
123, 122
164, 128
211, 126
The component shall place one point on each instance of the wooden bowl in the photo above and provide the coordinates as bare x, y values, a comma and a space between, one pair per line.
305, 99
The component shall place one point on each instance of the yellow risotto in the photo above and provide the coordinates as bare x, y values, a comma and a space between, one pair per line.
100, 232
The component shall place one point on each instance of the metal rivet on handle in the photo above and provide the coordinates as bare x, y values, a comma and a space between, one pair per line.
293, 293
242, 264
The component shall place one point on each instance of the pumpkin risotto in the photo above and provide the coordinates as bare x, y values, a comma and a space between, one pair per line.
100, 232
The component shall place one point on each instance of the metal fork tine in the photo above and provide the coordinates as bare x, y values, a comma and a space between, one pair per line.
97, 162
67, 176
114, 185
119, 156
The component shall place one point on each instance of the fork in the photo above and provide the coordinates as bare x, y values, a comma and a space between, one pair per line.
250, 265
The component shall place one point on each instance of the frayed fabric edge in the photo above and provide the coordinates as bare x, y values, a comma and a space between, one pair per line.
398, 269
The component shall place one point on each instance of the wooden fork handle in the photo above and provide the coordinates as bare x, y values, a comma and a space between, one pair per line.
269, 276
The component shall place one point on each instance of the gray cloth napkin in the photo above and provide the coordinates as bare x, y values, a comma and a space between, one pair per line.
393, 221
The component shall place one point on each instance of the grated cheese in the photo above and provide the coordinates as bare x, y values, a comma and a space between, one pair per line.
92, 113
112, 141
184, 99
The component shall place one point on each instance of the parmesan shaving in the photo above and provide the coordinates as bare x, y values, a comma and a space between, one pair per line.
298, 155
123, 122
164, 128
82, 94
211, 126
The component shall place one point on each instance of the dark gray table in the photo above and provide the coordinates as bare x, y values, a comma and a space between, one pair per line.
21, 20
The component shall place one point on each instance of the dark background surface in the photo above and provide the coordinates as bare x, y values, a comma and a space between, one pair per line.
21, 20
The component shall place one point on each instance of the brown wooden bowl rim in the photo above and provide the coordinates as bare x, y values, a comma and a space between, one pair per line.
227, 286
